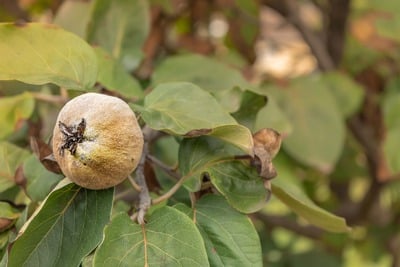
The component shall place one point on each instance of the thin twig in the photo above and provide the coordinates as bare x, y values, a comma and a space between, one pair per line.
121, 195
134, 184
170, 191
49, 98
167, 169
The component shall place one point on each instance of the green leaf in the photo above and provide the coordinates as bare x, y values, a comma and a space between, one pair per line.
67, 227
211, 75
347, 93
114, 77
181, 107
288, 190
271, 116
198, 153
390, 149
13, 109
237, 135
184, 109
39, 180
238, 182
11, 157
121, 28
169, 238
229, 236
315, 118
391, 107
68, 13
8, 212
4, 260
249, 107
46, 54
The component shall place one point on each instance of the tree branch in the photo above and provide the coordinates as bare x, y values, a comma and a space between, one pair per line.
289, 9
316, 44
144, 196
338, 13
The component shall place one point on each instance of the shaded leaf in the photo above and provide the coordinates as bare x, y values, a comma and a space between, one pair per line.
41, 53
390, 149
315, 118
39, 180
44, 153
271, 116
121, 28
169, 238
207, 73
229, 236
347, 93
196, 154
4, 260
13, 109
250, 105
238, 182
391, 106
11, 157
68, 13
114, 77
288, 190
66, 228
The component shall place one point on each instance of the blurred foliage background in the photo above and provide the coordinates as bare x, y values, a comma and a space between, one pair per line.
307, 56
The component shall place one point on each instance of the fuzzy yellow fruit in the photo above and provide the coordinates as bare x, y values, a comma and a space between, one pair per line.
97, 141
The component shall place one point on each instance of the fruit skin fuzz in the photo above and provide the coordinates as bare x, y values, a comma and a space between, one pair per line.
108, 143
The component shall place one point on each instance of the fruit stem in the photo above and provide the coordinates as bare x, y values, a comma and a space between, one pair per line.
170, 192
134, 184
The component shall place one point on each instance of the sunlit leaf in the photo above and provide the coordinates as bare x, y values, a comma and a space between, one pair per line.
11, 157
229, 236
66, 228
184, 109
7, 211
121, 28
237, 135
181, 107
207, 73
13, 109
115, 78
41, 53
169, 238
